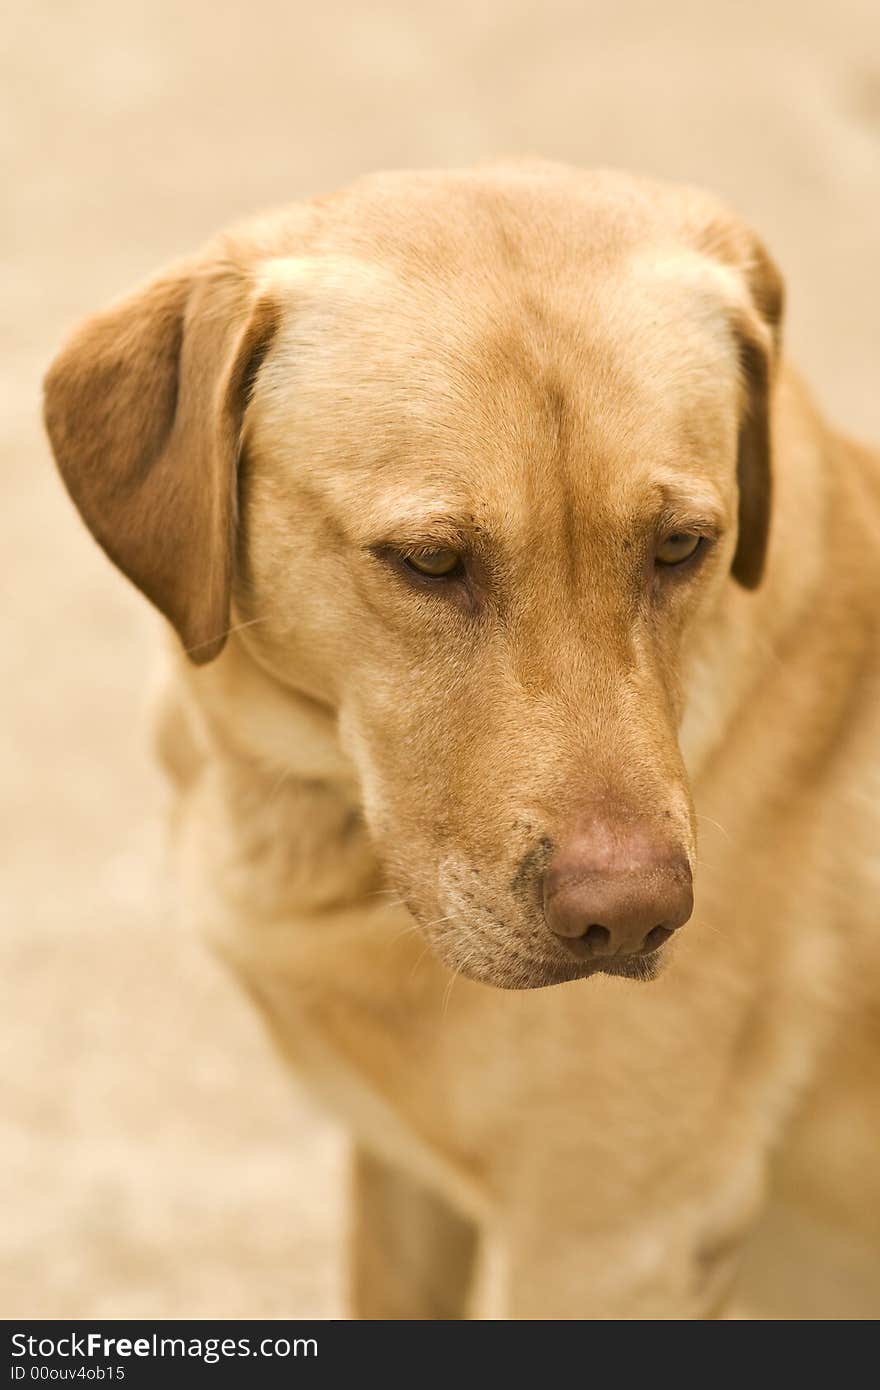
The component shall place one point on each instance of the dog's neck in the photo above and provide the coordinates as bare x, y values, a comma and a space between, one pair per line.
254, 717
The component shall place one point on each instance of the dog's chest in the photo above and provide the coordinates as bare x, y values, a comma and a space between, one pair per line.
372, 1039
283, 883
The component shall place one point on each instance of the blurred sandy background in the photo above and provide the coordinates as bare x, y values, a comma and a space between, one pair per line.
161, 1164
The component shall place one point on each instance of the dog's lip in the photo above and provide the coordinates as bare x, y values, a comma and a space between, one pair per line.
633, 967
557, 967
615, 967
542, 972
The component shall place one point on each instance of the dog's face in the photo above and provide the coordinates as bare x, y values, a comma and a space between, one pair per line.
505, 445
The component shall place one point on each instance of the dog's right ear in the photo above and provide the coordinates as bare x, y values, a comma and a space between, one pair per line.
144, 409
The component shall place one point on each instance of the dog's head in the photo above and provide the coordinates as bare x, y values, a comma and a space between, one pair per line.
472, 456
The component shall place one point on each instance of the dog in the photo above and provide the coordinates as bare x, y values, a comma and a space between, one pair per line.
504, 552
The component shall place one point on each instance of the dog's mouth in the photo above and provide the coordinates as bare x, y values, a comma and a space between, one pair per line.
511, 965
521, 973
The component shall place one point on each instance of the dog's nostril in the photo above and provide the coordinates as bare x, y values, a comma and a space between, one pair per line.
656, 937
597, 937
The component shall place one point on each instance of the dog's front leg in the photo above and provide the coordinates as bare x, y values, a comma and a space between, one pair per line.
676, 1259
412, 1256
628, 1275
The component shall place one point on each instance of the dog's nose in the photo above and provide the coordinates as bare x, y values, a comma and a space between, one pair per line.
616, 895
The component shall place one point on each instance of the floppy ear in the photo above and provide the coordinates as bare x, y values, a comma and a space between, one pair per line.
757, 327
759, 342
144, 408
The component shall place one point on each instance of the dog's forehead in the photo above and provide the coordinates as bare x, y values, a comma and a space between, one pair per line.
466, 385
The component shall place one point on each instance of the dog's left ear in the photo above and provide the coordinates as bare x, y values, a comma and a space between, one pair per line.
757, 328
758, 336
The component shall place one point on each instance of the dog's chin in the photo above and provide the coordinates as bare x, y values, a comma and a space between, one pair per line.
515, 972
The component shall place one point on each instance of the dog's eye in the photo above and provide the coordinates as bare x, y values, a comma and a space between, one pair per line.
435, 564
677, 548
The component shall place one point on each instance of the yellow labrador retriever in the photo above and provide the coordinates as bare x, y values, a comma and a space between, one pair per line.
506, 554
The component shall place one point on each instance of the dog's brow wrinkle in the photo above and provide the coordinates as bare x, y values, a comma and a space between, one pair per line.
424, 530
690, 498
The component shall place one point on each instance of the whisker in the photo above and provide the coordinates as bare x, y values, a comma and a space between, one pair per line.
422, 954
447, 993
411, 929
710, 926
436, 922
718, 826
284, 776
235, 627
